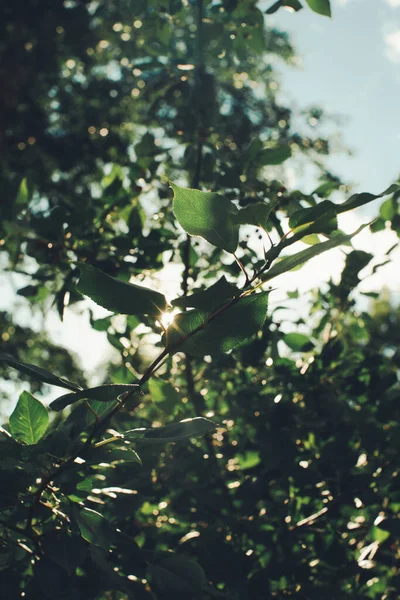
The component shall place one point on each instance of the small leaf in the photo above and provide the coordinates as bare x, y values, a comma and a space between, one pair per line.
275, 156
23, 193
293, 4
38, 374
119, 296
355, 262
357, 200
298, 342
290, 262
29, 421
102, 393
175, 432
207, 215
210, 299
322, 7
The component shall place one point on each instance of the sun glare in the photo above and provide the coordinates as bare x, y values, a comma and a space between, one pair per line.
167, 317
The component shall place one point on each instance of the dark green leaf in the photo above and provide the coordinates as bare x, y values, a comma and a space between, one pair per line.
66, 550
229, 329
29, 421
355, 262
298, 342
322, 7
208, 215
290, 262
188, 428
357, 200
93, 527
102, 393
255, 214
38, 373
293, 4
176, 575
119, 296
210, 299
322, 215
275, 156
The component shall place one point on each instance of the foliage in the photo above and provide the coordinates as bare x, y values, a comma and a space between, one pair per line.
221, 457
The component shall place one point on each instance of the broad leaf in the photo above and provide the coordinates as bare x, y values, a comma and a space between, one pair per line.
93, 527
357, 200
298, 342
290, 262
174, 575
102, 393
322, 215
207, 215
29, 421
210, 299
229, 329
275, 156
175, 432
38, 374
119, 296
322, 7
355, 262
255, 214
292, 4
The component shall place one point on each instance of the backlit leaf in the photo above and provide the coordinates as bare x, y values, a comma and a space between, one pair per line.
29, 421
119, 296
102, 393
207, 215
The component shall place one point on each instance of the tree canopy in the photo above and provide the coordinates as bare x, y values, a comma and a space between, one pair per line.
224, 454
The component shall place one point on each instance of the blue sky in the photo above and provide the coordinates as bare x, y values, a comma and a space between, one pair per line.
351, 67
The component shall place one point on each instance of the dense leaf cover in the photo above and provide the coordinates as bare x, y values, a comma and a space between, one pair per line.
221, 457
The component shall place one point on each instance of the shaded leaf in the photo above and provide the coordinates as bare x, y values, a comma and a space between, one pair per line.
29, 420
207, 215
225, 331
175, 575
38, 374
94, 528
119, 296
293, 4
209, 299
290, 262
255, 214
188, 428
275, 156
102, 393
322, 216
357, 200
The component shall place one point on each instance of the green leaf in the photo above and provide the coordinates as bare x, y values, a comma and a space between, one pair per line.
275, 156
93, 527
322, 7
216, 295
255, 214
66, 550
311, 239
38, 374
355, 262
223, 332
357, 200
207, 215
298, 342
23, 193
322, 217
175, 432
290, 262
164, 395
293, 4
29, 421
102, 393
119, 296
174, 575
